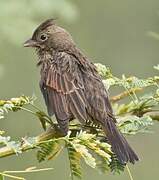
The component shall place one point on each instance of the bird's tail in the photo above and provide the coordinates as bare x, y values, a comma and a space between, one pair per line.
119, 144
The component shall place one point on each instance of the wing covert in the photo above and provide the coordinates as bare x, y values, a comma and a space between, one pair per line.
63, 88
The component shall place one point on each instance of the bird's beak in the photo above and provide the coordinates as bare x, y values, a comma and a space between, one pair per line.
30, 43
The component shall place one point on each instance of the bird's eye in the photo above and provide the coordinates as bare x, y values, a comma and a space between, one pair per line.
43, 37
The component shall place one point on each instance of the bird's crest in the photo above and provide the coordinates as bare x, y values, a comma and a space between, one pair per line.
43, 26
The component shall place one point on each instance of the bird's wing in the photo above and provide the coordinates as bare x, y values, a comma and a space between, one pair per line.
63, 88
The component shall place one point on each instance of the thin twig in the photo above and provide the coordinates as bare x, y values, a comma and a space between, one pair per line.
28, 110
153, 114
28, 171
129, 172
54, 132
72, 177
48, 120
124, 94
37, 108
11, 176
50, 133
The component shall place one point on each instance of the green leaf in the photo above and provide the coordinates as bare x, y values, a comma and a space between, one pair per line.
115, 166
15, 146
1, 177
74, 160
14, 104
48, 150
86, 155
103, 71
146, 103
156, 67
42, 119
133, 124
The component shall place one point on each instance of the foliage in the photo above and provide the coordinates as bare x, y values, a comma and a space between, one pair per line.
133, 124
14, 104
48, 150
84, 143
24, 14
115, 165
11, 144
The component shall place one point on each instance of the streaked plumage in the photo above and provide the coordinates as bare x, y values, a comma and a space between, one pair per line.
72, 87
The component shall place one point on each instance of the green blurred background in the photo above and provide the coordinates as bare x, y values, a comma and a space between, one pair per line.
115, 33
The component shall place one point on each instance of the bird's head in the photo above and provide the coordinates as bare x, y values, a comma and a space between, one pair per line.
50, 36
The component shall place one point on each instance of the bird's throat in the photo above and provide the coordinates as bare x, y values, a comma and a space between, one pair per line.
43, 56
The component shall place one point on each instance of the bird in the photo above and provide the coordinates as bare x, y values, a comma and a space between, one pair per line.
72, 87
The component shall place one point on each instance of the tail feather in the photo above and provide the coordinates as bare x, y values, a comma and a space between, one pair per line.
119, 144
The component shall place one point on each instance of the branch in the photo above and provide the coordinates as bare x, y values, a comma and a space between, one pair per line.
50, 133
124, 94
54, 132
153, 114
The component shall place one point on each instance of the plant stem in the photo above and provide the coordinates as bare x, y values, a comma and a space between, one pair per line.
35, 107
131, 95
11, 176
28, 110
28, 171
72, 178
8, 151
124, 94
129, 172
